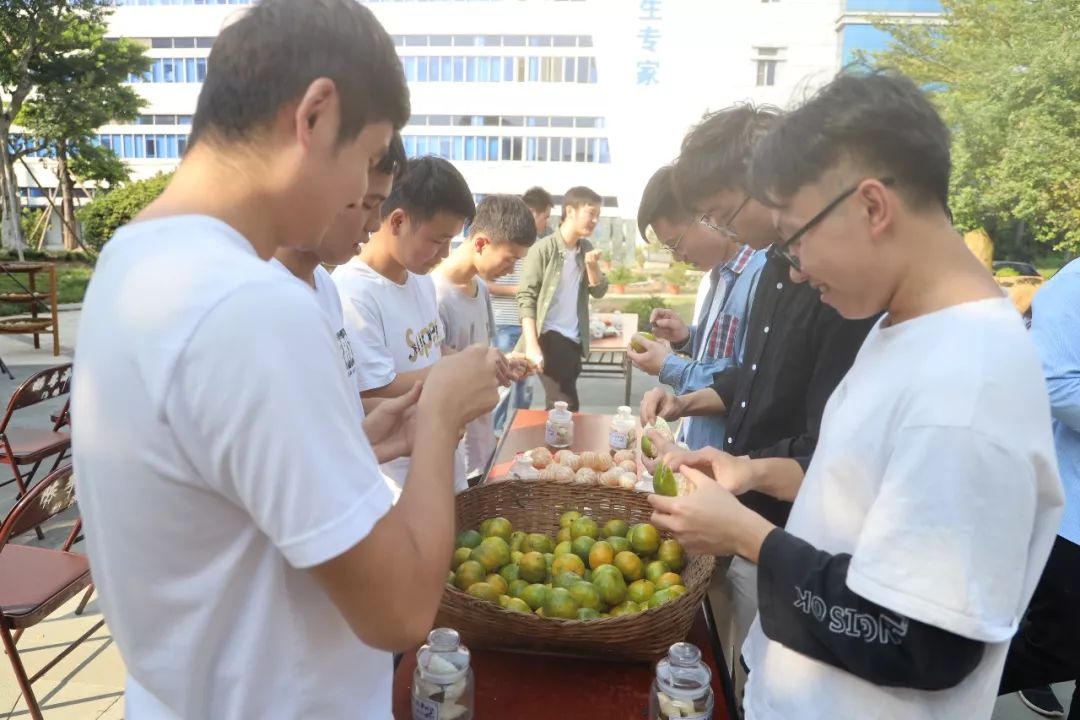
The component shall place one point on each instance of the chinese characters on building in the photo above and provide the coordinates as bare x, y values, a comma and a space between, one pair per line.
648, 37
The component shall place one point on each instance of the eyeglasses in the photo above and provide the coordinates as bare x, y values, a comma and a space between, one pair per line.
784, 249
705, 220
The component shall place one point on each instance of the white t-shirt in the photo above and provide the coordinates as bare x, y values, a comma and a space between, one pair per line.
468, 321
562, 314
395, 329
935, 469
218, 455
330, 303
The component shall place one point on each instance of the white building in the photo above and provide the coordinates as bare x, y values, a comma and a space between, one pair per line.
519, 93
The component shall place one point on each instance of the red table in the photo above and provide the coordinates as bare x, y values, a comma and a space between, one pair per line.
526, 432
526, 686
534, 687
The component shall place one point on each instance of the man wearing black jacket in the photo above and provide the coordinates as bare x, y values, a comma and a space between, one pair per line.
922, 523
797, 349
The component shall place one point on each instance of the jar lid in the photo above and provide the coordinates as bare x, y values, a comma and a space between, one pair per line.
682, 674
443, 660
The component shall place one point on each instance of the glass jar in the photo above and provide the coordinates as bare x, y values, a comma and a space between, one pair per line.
622, 433
442, 687
559, 431
523, 469
682, 688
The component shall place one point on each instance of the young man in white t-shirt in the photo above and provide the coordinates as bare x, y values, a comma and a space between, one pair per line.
237, 510
343, 241
929, 508
499, 236
389, 298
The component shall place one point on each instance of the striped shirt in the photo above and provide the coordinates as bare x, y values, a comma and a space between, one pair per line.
505, 309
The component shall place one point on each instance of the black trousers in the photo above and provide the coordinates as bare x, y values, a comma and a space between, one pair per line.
1046, 648
562, 366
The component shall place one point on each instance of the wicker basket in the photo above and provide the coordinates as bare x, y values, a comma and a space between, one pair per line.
536, 507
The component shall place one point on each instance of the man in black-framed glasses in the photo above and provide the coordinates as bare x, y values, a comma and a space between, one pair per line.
796, 348
922, 523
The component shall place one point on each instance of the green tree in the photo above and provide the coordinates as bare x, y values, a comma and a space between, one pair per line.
60, 76
108, 211
81, 85
1006, 77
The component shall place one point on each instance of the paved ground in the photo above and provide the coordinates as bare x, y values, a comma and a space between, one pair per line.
88, 684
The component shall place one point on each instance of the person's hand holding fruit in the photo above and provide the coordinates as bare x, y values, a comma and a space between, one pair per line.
710, 519
667, 325
647, 354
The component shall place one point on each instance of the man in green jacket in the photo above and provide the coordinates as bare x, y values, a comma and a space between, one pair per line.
559, 274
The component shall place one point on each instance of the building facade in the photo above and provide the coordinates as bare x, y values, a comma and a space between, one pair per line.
519, 93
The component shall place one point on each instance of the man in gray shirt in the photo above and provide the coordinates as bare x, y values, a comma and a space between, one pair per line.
500, 235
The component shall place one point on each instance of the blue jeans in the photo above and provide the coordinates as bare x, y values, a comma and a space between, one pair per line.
520, 394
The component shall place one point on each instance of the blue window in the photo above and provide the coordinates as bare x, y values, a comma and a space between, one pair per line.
530, 150
508, 69
158, 71
470, 148
446, 73
422, 69
192, 74
583, 70
181, 144
459, 153
129, 146
139, 144
542, 149
481, 148
485, 69
493, 148
410, 145
421, 145
459, 69
496, 70
568, 70
592, 70
172, 149
605, 154
200, 69
534, 69
470, 69
151, 146
409, 65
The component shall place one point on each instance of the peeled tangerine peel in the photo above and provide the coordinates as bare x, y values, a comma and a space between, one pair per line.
541, 457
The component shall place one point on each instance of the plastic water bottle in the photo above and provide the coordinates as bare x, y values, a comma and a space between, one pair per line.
442, 686
682, 688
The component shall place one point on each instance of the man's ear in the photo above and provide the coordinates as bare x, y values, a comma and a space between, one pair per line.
316, 118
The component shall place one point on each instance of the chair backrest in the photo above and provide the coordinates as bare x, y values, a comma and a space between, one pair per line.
45, 500
39, 387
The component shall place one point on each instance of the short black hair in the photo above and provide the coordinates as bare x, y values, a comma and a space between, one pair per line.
879, 121
715, 154
538, 199
395, 159
431, 185
504, 218
575, 197
274, 51
660, 202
